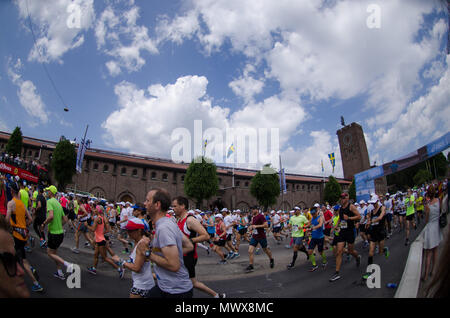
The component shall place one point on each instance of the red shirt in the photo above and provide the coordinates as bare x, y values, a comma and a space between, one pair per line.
328, 215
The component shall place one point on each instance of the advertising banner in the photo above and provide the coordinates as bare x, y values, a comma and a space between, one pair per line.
15, 171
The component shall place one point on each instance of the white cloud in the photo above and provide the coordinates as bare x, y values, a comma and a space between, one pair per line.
55, 28
120, 37
307, 160
421, 120
27, 94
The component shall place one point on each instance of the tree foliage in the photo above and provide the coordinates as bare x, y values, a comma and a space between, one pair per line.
15, 142
422, 176
352, 191
332, 190
63, 163
265, 187
201, 182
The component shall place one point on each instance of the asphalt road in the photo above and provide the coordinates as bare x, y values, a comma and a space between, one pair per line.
231, 278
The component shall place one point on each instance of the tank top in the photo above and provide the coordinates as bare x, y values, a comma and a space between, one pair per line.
190, 234
18, 222
375, 215
346, 225
99, 231
144, 278
317, 233
219, 231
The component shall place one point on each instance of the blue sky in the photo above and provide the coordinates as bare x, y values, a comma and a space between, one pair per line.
136, 70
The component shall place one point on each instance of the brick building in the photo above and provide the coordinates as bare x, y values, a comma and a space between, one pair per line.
119, 176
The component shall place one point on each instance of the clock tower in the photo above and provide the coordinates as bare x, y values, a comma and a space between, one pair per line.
354, 154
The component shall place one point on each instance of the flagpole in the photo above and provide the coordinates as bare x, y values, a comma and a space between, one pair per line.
282, 186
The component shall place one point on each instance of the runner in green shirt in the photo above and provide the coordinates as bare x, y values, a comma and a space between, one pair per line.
55, 220
410, 213
296, 224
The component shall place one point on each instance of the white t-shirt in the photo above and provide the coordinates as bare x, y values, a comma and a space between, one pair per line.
128, 212
276, 219
228, 220
388, 206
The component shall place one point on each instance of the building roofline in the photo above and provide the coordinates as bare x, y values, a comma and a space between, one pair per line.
163, 163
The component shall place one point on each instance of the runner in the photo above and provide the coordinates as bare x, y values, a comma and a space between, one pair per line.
40, 216
124, 215
220, 237
276, 223
389, 215
18, 216
362, 223
241, 229
376, 230
348, 215
419, 207
401, 212
192, 228
55, 220
139, 263
296, 224
317, 239
82, 217
259, 223
167, 250
328, 222
229, 224
98, 228
410, 214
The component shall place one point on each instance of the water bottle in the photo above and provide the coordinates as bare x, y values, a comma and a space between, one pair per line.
391, 285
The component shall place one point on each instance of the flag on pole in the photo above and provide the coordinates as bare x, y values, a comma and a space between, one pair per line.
206, 142
230, 150
332, 160
322, 164
284, 182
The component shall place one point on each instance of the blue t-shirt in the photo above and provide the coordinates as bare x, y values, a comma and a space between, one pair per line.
318, 233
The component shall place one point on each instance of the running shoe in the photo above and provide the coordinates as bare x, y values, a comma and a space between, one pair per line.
335, 277
236, 255
35, 273
249, 269
222, 262
257, 251
366, 276
272, 263
57, 275
358, 260
287, 246
313, 268
92, 270
222, 295
43, 244
75, 250
324, 265
386, 252
37, 288
290, 266
231, 256
69, 268
87, 244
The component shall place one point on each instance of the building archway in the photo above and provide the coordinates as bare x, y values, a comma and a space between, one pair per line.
243, 206
98, 192
302, 205
285, 206
127, 196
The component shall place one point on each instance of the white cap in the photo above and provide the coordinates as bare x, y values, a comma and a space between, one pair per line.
219, 216
362, 202
224, 210
292, 211
317, 205
197, 210
374, 199
238, 211
191, 212
297, 208
356, 204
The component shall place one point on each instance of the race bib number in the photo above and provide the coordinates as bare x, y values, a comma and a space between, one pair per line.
255, 232
373, 221
295, 228
343, 224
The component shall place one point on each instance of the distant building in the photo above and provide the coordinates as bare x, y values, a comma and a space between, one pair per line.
119, 176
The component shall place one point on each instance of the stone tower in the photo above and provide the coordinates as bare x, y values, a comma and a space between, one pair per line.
354, 154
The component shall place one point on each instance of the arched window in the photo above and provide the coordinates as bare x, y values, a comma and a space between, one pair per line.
105, 168
123, 171
96, 166
164, 177
134, 173
182, 178
153, 175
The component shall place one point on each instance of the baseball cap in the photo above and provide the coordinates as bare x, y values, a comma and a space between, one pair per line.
134, 224
224, 210
336, 207
317, 205
52, 189
362, 202
297, 208
219, 216
373, 199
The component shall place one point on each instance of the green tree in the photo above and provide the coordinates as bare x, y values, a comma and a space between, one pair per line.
352, 191
332, 190
265, 186
422, 176
14, 145
63, 163
201, 182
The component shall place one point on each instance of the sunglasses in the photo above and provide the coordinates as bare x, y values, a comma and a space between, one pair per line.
344, 196
10, 262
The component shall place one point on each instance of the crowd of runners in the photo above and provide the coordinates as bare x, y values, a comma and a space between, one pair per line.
159, 238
